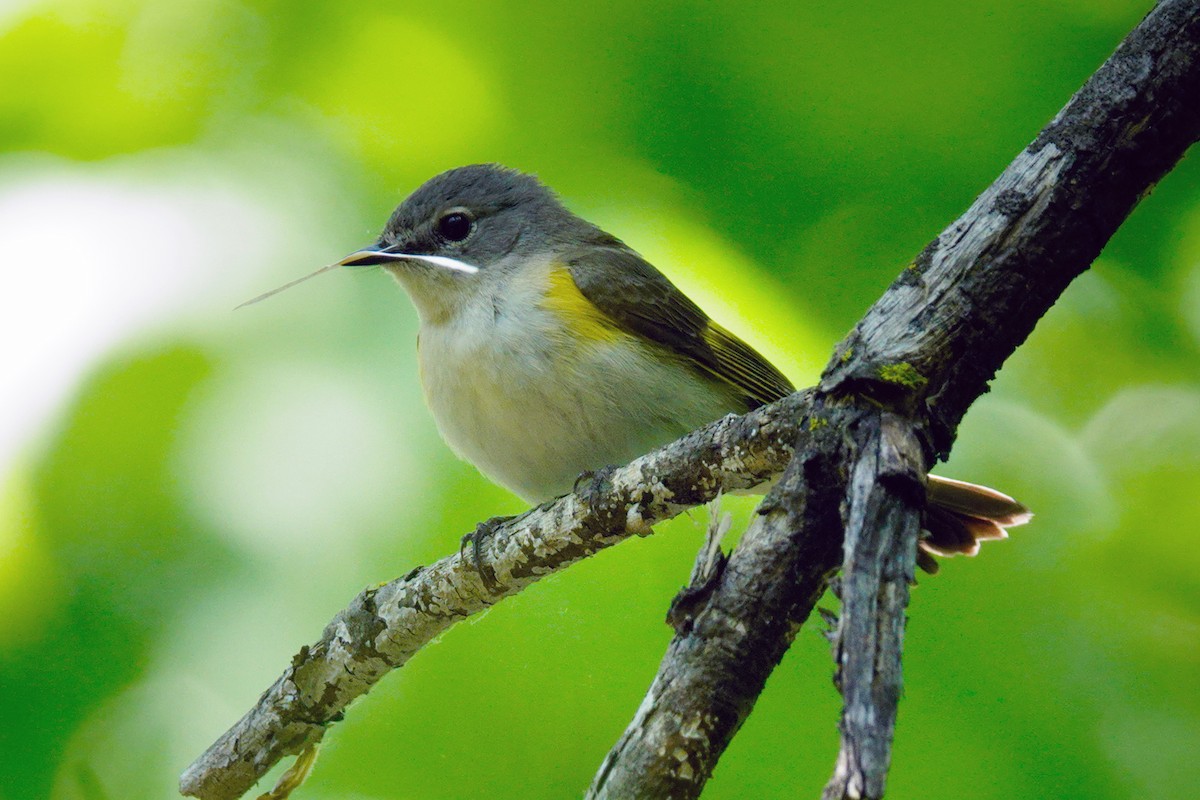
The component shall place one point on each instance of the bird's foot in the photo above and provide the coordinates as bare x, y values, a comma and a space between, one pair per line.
476, 539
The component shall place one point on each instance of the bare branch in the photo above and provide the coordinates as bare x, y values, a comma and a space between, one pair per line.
976, 292
736, 636
882, 524
890, 400
386, 626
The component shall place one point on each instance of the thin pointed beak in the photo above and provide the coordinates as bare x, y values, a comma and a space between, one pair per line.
370, 256
366, 257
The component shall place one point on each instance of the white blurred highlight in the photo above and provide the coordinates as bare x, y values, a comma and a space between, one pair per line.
284, 459
92, 255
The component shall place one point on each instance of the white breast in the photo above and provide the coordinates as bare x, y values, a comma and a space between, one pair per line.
532, 409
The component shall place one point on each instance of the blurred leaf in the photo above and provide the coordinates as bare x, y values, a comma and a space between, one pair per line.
29, 582
362, 77
91, 113
126, 558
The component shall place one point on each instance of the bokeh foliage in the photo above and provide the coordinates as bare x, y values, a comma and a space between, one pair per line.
206, 489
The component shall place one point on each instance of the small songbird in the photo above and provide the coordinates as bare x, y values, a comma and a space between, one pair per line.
548, 347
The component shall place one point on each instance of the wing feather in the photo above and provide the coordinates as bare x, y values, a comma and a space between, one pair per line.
743, 366
641, 300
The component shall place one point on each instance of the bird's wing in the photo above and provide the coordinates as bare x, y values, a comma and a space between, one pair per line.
639, 299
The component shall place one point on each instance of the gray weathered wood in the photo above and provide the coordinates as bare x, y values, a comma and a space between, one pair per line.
888, 404
883, 521
386, 626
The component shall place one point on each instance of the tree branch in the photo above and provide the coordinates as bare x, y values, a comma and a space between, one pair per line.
883, 521
889, 402
386, 626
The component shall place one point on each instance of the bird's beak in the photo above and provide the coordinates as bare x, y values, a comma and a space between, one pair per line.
369, 257
372, 256
366, 257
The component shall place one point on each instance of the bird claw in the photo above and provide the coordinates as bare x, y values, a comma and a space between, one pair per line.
476, 539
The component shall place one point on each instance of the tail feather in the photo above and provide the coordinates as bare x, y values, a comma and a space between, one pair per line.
973, 500
952, 534
960, 515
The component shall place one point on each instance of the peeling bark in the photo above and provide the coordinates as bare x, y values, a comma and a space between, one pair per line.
888, 403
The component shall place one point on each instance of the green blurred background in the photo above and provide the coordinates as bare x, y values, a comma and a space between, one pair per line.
188, 494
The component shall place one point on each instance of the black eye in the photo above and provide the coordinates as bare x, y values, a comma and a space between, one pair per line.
455, 226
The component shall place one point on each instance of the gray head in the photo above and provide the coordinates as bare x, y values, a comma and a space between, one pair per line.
467, 230
469, 227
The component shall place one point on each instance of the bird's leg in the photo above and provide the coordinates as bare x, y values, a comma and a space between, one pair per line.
476, 539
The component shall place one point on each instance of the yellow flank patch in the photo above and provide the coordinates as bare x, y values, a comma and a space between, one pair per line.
576, 311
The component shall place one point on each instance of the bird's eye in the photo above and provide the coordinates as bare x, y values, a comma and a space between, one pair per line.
455, 226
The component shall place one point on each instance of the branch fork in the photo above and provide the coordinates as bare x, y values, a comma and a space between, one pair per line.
850, 456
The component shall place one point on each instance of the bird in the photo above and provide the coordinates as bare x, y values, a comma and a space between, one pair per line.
549, 348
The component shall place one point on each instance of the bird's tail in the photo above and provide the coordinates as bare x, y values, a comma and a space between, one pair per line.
960, 515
